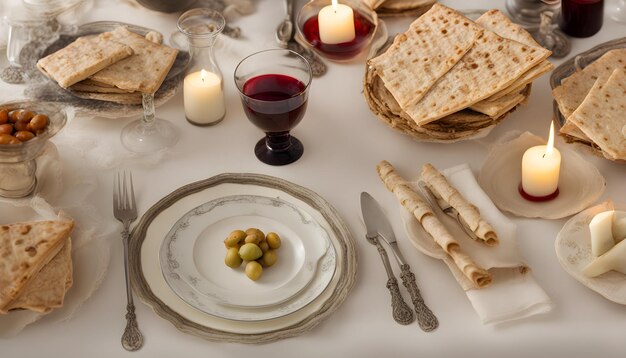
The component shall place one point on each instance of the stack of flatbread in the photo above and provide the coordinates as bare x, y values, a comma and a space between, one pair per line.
448, 78
593, 101
35, 265
399, 7
116, 66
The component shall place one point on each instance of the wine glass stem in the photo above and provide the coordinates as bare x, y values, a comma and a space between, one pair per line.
148, 109
278, 142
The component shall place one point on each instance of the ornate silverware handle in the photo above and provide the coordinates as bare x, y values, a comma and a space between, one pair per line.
402, 313
425, 317
132, 339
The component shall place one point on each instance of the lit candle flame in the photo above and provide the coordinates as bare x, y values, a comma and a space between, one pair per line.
334, 5
550, 146
203, 75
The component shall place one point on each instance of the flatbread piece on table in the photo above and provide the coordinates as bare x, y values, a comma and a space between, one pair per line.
411, 201
440, 186
571, 93
602, 115
490, 66
25, 248
82, 58
47, 289
431, 46
144, 71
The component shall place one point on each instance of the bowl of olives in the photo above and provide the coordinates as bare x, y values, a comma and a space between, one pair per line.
25, 128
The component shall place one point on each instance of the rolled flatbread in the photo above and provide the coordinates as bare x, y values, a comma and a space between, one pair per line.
424, 214
470, 213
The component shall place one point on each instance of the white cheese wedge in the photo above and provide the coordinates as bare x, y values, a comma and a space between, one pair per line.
619, 226
601, 228
614, 259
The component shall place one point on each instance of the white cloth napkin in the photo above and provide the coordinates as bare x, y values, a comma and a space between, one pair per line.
514, 293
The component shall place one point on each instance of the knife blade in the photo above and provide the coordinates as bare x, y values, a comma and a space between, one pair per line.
401, 312
377, 224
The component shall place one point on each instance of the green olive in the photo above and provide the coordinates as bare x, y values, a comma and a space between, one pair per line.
234, 238
252, 238
24, 136
232, 258
273, 240
4, 116
254, 270
264, 246
269, 258
254, 230
250, 252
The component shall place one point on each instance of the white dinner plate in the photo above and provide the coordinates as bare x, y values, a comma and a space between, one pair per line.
338, 265
192, 254
573, 248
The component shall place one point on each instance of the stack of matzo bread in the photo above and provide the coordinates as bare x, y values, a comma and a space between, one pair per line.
593, 102
448, 78
116, 66
35, 265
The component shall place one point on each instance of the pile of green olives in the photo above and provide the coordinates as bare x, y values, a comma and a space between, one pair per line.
254, 247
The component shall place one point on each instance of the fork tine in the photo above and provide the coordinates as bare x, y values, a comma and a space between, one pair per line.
132, 193
116, 185
125, 192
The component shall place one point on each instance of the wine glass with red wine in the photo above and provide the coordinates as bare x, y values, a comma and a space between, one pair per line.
274, 85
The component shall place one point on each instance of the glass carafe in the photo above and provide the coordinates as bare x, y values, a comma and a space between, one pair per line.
203, 88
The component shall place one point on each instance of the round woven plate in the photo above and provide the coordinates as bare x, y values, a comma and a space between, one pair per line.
200, 324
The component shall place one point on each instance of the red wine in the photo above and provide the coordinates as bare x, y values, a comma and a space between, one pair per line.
275, 103
581, 18
343, 51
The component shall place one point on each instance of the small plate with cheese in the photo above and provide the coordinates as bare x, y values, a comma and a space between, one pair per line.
591, 248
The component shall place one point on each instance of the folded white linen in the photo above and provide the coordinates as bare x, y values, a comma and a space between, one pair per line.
514, 293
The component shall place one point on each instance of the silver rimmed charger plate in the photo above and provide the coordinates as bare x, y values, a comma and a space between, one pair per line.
151, 287
192, 258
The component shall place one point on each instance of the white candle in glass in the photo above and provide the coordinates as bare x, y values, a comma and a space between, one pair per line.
336, 23
540, 168
203, 97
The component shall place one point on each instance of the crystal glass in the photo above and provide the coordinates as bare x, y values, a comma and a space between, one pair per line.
274, 85
203, 88
17, 161
617, 11
149, 133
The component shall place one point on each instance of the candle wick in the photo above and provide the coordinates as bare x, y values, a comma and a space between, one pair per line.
544, 155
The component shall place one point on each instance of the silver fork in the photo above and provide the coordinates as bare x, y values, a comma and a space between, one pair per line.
125, 210
448, 210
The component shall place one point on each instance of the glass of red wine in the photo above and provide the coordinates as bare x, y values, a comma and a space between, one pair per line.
274, 85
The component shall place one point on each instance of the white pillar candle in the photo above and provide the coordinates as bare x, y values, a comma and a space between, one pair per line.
336, 24
540, 168
203, 97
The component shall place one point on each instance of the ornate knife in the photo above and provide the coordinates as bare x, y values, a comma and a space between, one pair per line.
379, 227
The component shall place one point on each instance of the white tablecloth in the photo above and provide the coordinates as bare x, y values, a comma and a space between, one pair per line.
343, 142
